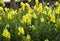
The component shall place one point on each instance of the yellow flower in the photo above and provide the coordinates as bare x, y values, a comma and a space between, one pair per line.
36, 1
46, 40
7, 25
53, 19
22, 6
30, 10
29, 0
28, 6
34, 16
57, 4
50, 13
6, 9
10, 16
28, 21
24, 19
35, 7
13, 12
28, 38
45, 12
48, 3
42, 19
1, 8
21, 31
46, 7
29, 15
6, 33
33, 27
57, 10
0, 18
40, 8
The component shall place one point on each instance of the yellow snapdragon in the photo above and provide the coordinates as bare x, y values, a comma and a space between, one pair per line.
42, 19
46, 40
29, 15
36, 1
24, 19
33, 27
28, 21
53, 19
28, 37
0, 18
21, 31
10, 16
13, 12
22, 6
27, 5
56, 3
34, 16
7, 25
6, 34
57, 10
1, 8
29, 0
6, 9
40, 8
30, 10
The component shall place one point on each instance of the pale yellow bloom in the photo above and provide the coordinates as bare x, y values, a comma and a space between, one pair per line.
34, 16
36, 1
53, 19
40, 8
21, 31
27, 5
58, 21
30, 10
6, 33
0, 18
46, 40
24, 19
29, 0
2, 2
35, 7
58, 10
10, 16
57, 4
7, 25
13, 12
6, 9
29, 15
28, 21
42, 19
1, 8
45, 12
28, 38
48, 3
50, 13
22, 6
33, 27
46, 7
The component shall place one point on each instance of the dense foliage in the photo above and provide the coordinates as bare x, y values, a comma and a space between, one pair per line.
41, 23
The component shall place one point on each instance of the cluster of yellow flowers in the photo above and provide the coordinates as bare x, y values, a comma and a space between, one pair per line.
28, 16
11, 14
